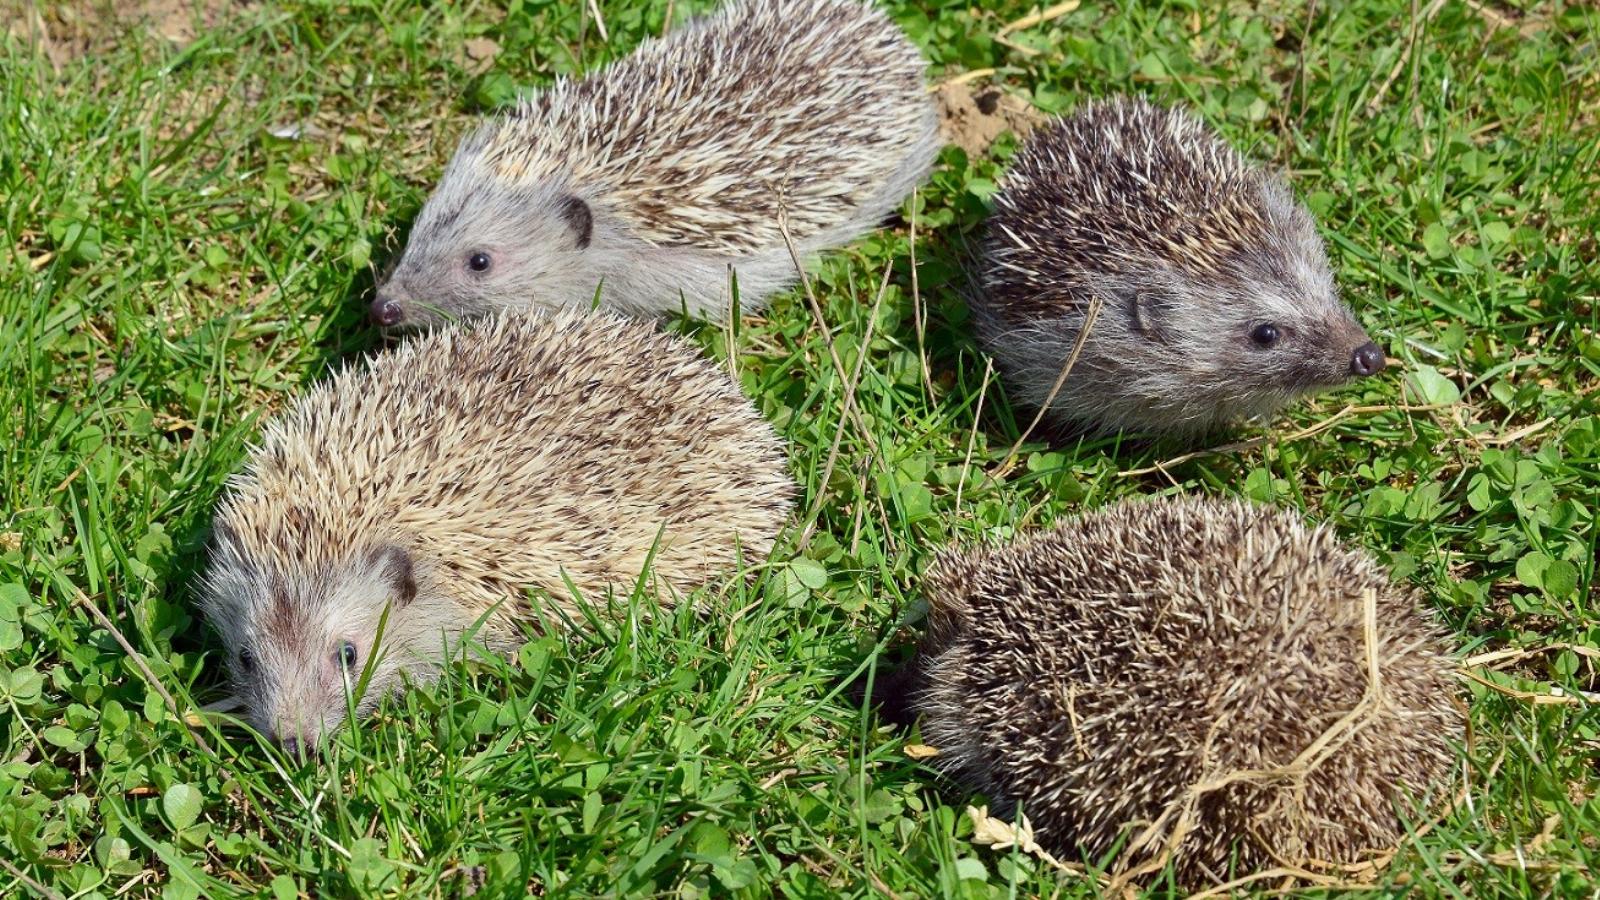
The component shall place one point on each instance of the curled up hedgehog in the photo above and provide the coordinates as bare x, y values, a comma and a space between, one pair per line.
644, 183
1213, 296
428, 489
1196, 677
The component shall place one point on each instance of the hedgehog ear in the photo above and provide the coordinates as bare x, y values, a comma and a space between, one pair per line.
579, 218
395, 564
1146, 309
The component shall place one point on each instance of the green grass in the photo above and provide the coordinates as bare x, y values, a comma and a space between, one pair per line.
172, 270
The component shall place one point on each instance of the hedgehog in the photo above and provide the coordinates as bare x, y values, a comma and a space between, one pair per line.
1191, 676
1215, 299
640, 186
429, 490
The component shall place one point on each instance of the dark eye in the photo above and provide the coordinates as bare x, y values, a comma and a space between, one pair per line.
478, 261
247, 661
1265, 334
347, 655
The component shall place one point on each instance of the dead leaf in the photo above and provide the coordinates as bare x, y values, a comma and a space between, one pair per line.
998, 834
481, 51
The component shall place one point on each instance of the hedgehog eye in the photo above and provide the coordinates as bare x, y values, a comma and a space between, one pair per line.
479, 261
1265, 334
247, 661
347, 655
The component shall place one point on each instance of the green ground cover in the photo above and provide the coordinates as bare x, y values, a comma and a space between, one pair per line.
191, 228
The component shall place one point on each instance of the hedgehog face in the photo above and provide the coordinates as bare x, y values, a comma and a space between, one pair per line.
480, 245
1236, 340
1290, 325
1177, 353
1285, 340
1266, 337
299, 644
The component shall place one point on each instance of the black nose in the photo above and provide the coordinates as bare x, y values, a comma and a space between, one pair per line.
1367, 360
293, 747
386, 312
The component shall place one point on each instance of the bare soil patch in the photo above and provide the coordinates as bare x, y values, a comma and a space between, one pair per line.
68, 31
973, 116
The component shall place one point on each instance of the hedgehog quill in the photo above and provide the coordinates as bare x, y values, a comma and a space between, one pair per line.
441, 480
1098, 673
1217, 302
647, 181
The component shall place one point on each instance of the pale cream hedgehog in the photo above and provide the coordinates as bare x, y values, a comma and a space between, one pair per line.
643, 184
438, 482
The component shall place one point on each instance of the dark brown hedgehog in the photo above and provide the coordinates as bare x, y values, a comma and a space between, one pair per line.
428, 489
1216, 299
1187, 671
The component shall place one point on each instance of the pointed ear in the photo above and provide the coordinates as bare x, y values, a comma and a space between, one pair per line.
394, 562
579, 218
1147, 310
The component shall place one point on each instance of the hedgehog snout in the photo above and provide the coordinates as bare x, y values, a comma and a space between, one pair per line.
299, 738
296, 741
1368, 359
386, 310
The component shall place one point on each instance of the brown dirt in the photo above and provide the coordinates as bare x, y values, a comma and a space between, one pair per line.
972, 117
73, 29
